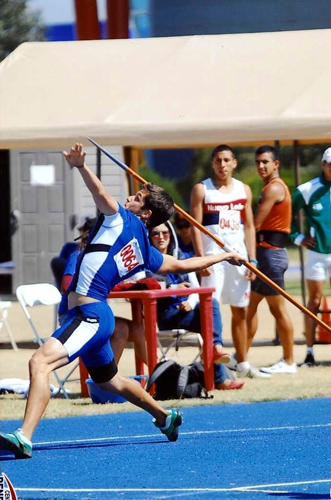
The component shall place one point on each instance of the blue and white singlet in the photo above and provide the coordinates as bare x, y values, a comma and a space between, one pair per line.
117, 248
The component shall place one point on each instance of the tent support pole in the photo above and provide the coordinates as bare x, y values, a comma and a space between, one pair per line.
296, 157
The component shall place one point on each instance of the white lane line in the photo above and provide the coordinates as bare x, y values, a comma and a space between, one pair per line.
188, 433
276, 485
285, 492
256, 487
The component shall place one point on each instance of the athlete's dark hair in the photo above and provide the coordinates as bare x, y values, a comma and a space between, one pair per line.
267, 149
159, 202
220, 148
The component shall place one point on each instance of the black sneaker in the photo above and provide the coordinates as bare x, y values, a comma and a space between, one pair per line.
309, 360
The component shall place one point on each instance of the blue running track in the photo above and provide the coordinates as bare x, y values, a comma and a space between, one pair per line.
245, 451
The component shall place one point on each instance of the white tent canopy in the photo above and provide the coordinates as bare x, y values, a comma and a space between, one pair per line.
180, 91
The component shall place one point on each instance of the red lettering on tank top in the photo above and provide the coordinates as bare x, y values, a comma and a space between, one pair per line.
129, 257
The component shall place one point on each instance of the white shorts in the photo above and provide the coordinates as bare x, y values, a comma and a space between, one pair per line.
318, 266
230, 283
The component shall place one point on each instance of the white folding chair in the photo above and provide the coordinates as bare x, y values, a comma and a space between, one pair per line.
4, 306
43, 294
174, 339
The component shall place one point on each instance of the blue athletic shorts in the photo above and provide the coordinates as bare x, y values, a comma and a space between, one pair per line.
87, 332
272, 263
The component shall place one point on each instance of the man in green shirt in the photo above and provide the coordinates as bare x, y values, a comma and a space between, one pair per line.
314, 197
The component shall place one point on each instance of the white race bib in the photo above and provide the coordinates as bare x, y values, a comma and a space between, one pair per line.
128, 258
229, 220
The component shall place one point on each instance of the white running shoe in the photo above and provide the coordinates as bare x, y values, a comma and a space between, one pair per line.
280, 367
252, 373
232, 364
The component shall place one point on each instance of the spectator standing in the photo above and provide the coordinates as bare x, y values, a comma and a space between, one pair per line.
272, 224
314, 198
224, 206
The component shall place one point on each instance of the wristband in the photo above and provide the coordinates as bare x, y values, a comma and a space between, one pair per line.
253, 261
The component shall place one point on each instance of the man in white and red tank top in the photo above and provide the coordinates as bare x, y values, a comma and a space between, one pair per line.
224, 206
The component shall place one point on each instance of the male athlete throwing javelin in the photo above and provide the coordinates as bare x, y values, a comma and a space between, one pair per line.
117, 248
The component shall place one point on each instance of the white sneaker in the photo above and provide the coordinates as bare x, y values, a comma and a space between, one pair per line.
232, 364
280, 367
252, 373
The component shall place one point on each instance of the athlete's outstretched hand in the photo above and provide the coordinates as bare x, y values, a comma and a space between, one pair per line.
233, 258
76, 156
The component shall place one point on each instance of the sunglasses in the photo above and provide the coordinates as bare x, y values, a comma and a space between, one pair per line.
157, 234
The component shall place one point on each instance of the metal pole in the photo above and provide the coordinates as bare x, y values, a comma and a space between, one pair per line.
98, 172
87, 22
296, 154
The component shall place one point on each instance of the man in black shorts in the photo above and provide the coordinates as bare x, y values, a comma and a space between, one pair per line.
272, 223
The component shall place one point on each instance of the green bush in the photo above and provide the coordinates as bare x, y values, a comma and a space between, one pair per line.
151, 176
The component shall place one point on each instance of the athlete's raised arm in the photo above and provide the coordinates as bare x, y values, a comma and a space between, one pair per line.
103, 200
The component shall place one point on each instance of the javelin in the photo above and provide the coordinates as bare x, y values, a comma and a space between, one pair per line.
218, 241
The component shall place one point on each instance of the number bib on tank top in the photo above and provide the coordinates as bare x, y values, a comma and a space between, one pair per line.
223, 215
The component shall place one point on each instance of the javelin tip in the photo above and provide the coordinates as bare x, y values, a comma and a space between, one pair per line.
91, 140
113, 158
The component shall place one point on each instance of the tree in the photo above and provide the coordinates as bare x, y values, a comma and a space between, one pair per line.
18, 24
151, 176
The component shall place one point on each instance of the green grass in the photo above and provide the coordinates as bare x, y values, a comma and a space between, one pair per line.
293, 287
